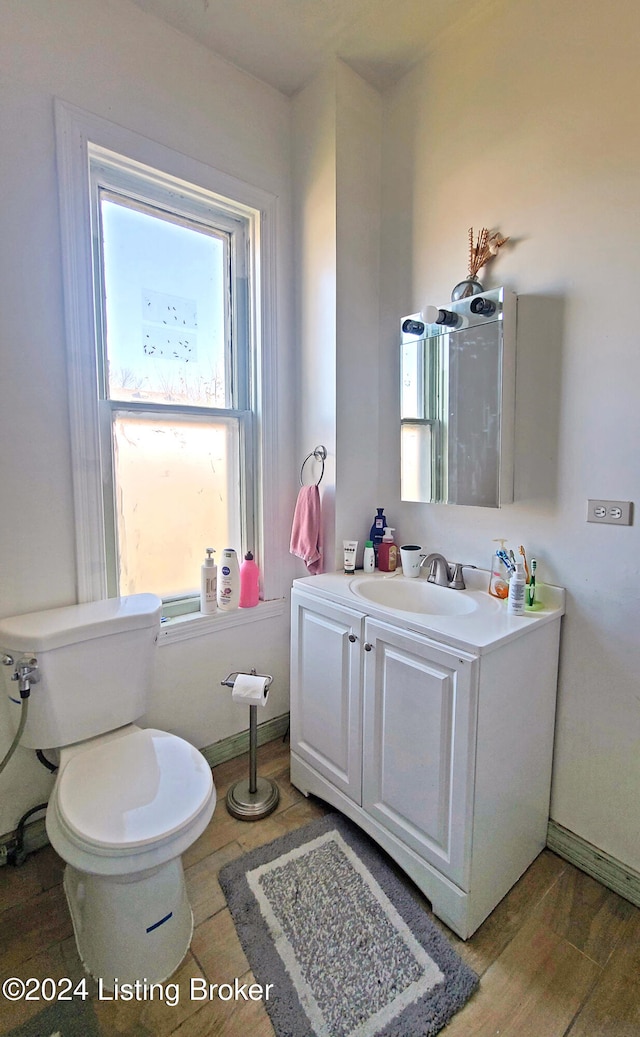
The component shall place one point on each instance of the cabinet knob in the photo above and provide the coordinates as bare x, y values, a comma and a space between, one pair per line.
352, 638
368, 647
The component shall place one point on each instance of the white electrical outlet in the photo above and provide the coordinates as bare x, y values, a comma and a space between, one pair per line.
615, 512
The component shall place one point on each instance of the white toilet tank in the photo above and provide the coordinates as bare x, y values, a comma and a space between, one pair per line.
95, 665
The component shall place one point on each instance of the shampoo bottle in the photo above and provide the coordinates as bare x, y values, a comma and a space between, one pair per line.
368, 558
228, 581
387, 552
249, 583
208, 582
517, 584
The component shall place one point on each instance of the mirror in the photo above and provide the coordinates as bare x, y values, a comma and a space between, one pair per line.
457, 402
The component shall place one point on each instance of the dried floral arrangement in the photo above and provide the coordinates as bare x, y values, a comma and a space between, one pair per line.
486, 246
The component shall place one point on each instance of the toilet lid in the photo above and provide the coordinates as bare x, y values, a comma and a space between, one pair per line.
134, 790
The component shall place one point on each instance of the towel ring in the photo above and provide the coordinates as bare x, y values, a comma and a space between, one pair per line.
320, 454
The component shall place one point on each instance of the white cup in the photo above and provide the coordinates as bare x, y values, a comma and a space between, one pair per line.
411, 556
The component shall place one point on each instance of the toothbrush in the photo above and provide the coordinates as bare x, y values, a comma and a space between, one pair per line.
504, 557
526, 567
531, 589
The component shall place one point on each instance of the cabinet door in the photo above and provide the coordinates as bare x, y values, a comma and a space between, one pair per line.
326, 690
419, 739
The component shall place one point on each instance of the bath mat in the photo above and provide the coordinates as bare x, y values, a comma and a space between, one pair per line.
73, 1018
349, 953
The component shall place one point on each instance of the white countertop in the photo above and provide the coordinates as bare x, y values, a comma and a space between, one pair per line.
479, 631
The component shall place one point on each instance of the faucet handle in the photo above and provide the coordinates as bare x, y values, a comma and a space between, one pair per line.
457, 579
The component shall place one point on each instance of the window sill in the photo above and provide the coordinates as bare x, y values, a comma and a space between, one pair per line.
195, 624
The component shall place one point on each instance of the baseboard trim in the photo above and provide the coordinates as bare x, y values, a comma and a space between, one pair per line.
35, 834
610, 872
236, 745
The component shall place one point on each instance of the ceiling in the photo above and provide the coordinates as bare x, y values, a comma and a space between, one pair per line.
286, 42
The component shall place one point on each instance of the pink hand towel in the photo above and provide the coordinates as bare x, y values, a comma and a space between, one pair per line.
306, 529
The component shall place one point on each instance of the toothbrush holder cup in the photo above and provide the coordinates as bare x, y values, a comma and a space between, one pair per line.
411, 557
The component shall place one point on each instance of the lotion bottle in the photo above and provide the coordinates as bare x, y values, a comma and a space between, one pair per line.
228, 581
517, 584
369, 558
208, 584
249, 583
387, 552
377, 530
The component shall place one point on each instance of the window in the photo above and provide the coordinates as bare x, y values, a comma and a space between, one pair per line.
174, 376
166, 297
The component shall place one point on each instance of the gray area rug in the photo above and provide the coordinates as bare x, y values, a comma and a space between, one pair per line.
350, 953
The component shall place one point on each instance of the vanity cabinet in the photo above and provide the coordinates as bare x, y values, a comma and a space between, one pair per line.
326, 692
419, 732
442, 756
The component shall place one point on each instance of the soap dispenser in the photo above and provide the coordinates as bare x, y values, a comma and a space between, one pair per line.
208, 584
387, 552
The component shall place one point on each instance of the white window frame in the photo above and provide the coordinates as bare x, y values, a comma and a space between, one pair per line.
78, 132
114, 176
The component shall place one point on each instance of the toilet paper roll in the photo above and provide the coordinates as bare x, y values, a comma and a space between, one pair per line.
250, 689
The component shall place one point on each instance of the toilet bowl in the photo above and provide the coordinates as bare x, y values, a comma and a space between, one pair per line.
124, 808
127, 801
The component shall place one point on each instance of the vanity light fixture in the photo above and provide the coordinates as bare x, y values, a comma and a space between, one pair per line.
412, 327
448, 318
482, 307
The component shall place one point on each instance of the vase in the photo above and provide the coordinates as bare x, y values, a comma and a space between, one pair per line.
464, 290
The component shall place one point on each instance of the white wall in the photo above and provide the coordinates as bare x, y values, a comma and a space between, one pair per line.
337, 163
359, 140
110, 58
314, 179
524, 122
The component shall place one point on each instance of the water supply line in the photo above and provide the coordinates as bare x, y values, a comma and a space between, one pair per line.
18, 855
26, 673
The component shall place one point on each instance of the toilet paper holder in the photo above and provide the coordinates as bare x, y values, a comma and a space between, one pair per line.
252, 799
230, 679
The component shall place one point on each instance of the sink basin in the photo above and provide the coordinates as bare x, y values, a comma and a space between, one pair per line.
413, 595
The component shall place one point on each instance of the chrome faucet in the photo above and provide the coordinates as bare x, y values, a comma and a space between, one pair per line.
441, 573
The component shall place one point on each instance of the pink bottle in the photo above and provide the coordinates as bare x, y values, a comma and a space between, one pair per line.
249, 583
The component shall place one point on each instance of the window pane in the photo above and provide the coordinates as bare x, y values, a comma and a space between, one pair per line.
413, 397
177, 494
416, 445
166, 298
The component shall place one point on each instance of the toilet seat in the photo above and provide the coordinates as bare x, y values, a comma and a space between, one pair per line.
131, 792
130, 802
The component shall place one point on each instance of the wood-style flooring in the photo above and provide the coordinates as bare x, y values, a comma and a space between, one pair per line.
559, 957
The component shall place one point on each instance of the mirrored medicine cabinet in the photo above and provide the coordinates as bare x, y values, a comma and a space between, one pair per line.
457, 402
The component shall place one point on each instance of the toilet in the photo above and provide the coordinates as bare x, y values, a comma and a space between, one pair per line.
127, 801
